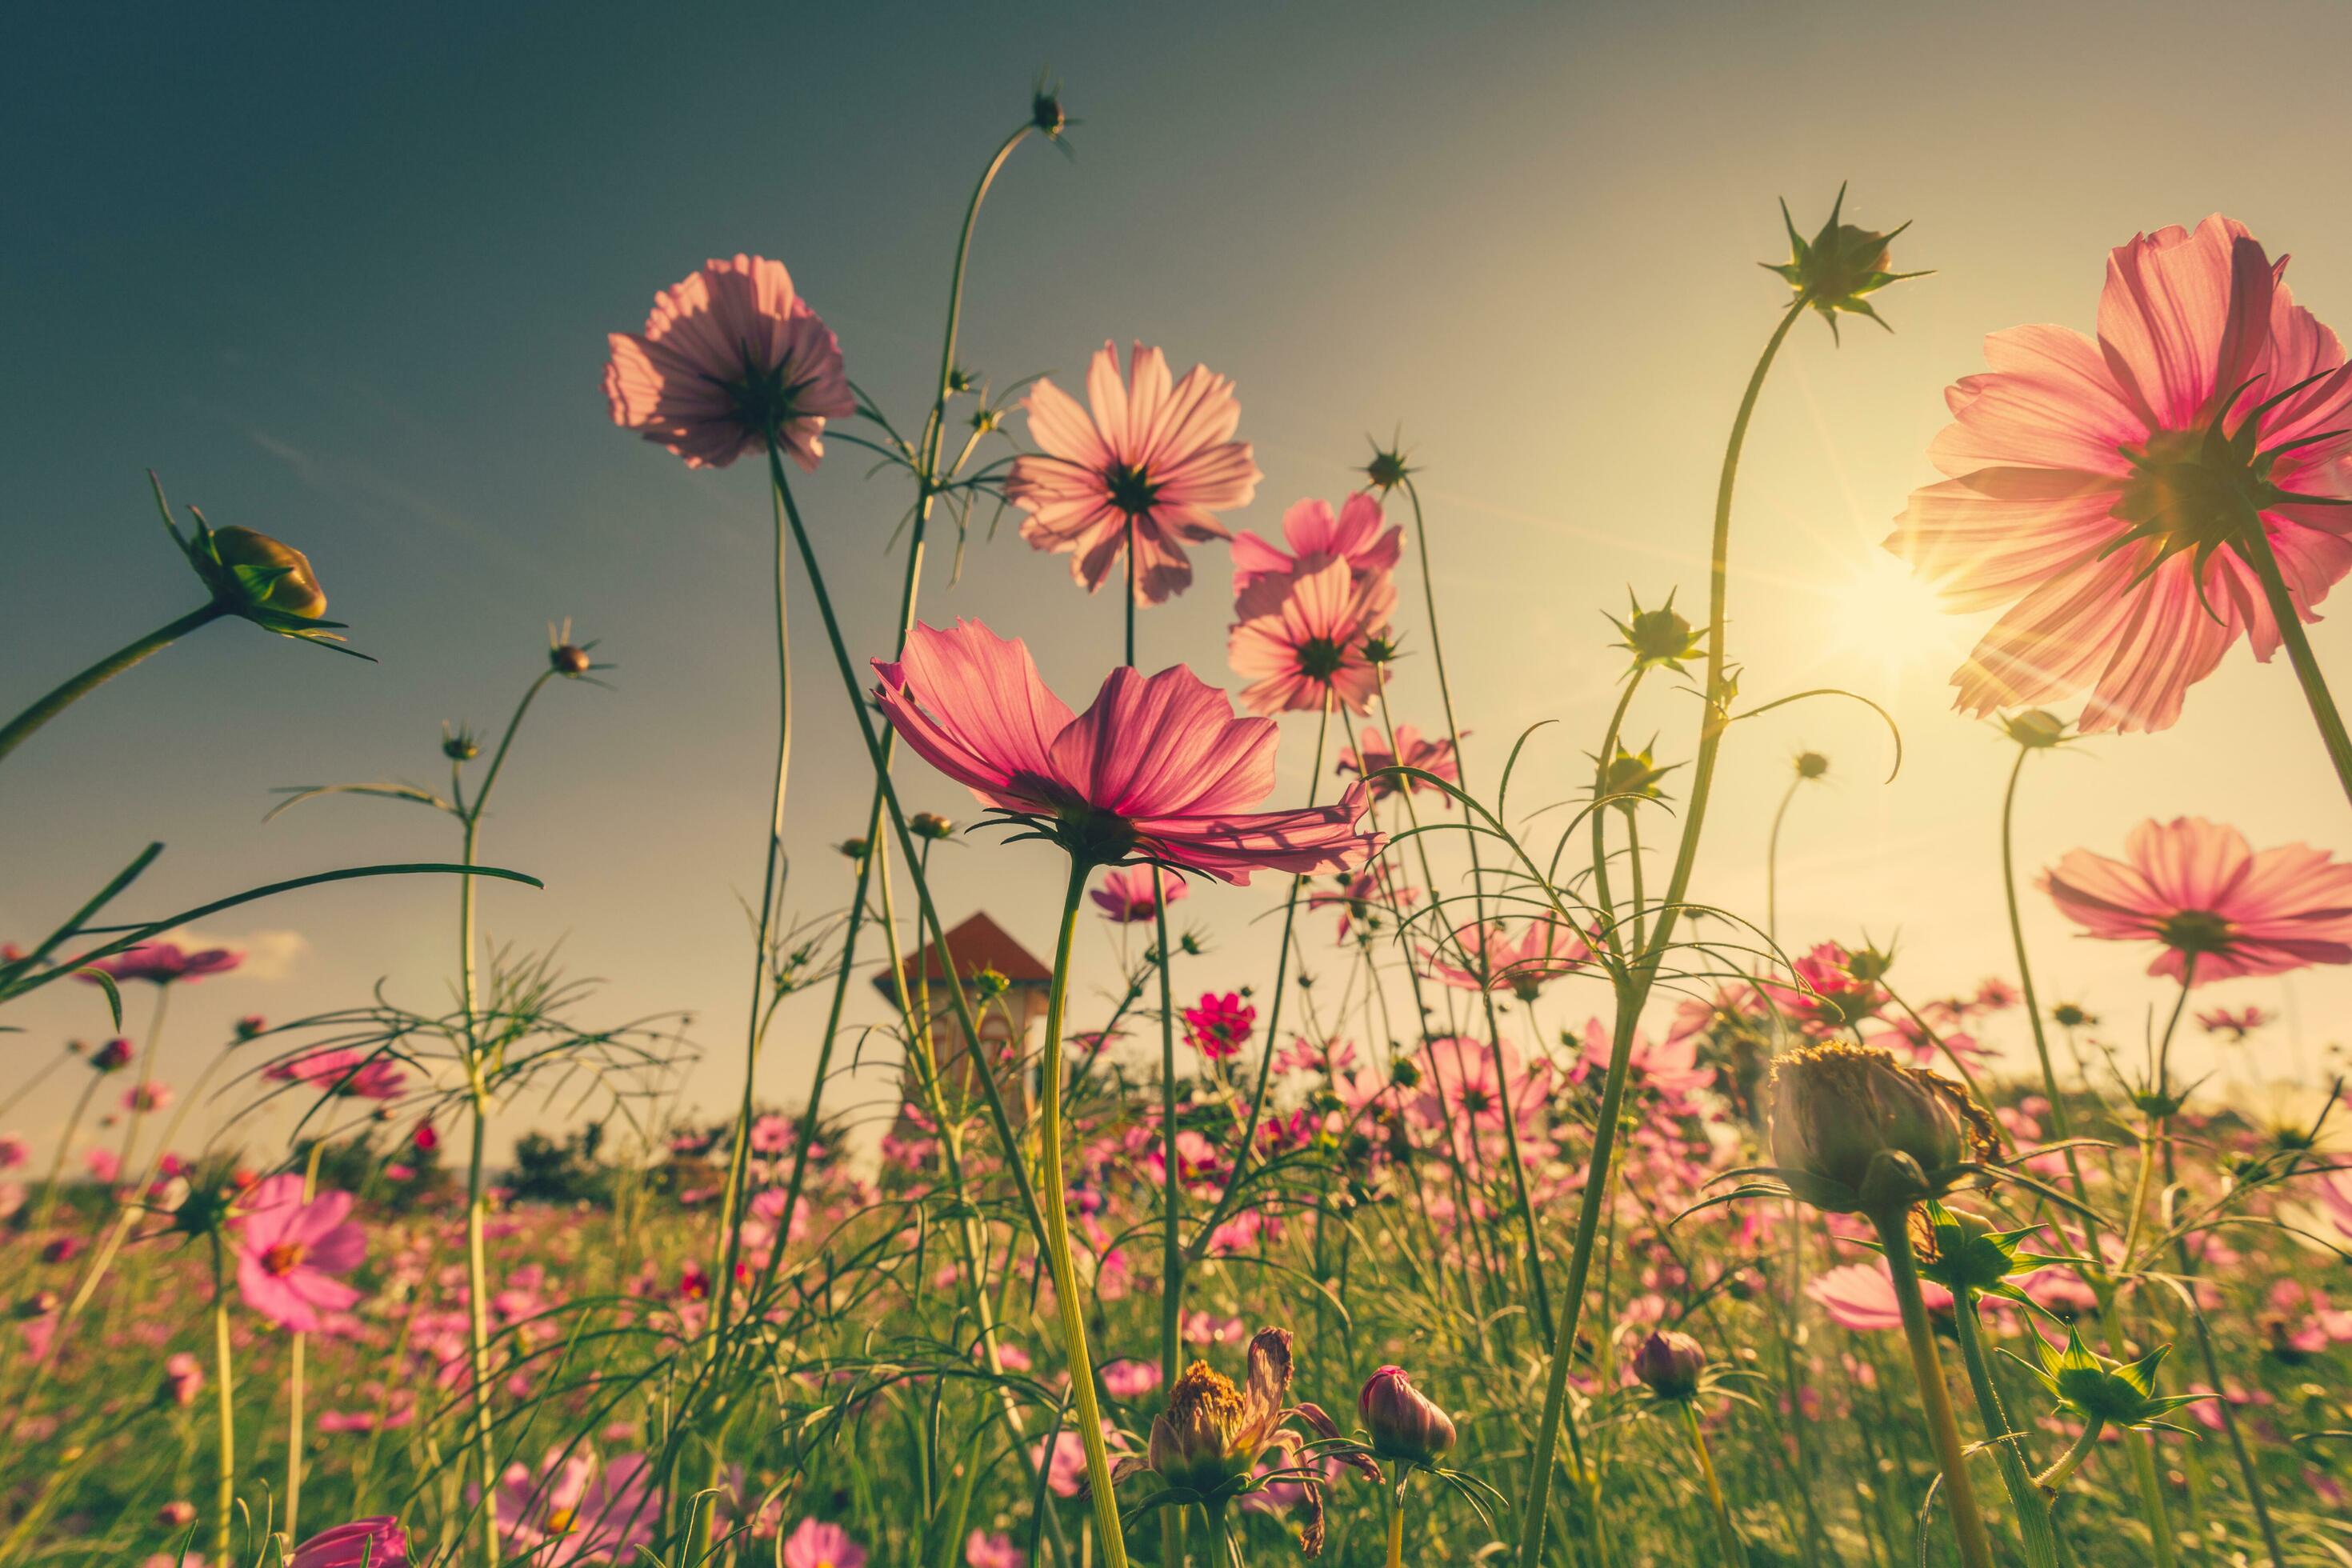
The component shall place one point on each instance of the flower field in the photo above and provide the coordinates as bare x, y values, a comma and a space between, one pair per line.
1500, 1197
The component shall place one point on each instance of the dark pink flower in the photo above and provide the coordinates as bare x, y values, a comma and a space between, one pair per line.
1862, 1296
1301, 645
373, 1543
818, 1544
1316, 537
1157, 769
1126, 894
162, 963
2200, 890
1156, 455
981, 1550
1219, 1025
2096, 486
342, 1071
1829, 997
289, 1253
730, 358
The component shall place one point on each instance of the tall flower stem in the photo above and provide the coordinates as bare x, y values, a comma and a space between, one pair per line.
2059, 1118
1393, 1505
144, 1075
1934, 1400
1171, 1244
224, 1373
479, 1103
2254, 545
1634, 986
295, 1428
22, 726
2151, 1496
730, 1211
1057, 1201
55, 1184
927, 485
1734, 1555
1772, 861
2031, 1507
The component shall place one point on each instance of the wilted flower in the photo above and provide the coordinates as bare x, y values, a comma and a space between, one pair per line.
1405, 1422
1854, 1131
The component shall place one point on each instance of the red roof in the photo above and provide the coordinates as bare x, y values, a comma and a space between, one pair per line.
979, 944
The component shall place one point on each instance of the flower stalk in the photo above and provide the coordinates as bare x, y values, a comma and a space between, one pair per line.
1934, 1400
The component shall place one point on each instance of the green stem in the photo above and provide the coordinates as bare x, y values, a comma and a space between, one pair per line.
2059, 1117
1734, 1555
1057, 1201
2151, 1496
1171, 1253
1934, 1400
2086, 1443
1633, 990
295, 1428
2255, 546
1772, 863
1393, 1500
225, 1499
143, 1075
22, 726
2032, 1509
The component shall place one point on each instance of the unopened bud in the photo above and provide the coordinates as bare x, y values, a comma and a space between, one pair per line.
1405, 1422
1669, 1363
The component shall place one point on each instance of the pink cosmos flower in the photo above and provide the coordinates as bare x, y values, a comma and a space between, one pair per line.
1830, 997
103, 1165
2096, 487
373, 1543
1218, 1026
1130, 1378
146, 1097
1378, 886
1862, 1296
14, 1151
1126, 895
1489, 960
1316, 537
2236, 1023
981, 1550
771, 1134
288, 1252
730, 357
1304, 646
821, 1545
1431, 756
162, 963
183, 1379
574, 1510
1152, 457
1158, 768
342, 1072
2198, 888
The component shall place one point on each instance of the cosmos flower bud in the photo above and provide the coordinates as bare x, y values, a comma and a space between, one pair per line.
1669, 1363
1868, 964
1812, 765
1045, 110
112, 1056
851, 848
1833, 271
2035, 730
1405, 1073
1854, 1131
459, 745
568, 658
1659, 639
39, 1304
251, 1026
256, 571
1405, 1422
929, 825
1632, 775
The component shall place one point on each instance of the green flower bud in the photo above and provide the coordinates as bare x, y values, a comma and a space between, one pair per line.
1838, 265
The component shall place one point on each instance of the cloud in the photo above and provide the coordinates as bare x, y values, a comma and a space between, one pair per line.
269, 954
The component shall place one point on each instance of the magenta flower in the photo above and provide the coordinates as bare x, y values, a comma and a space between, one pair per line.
1159, 457
1829, 997
2097, 487
1126, 894
162, 963
981, 1550
821, 1545
1372, 756
289, 1253
1316, 537
2200, 890
340, 1071
1219, 1025
730, 359
1156, 770
1378, 886
373, 1543
1305, 646
573, 1510
146, 1097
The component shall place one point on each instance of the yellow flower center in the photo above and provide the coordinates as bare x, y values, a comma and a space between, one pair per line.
282, 1258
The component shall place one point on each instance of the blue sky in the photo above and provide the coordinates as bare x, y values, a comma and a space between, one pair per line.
344, 274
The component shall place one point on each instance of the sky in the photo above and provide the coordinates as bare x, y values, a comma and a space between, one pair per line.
344, 274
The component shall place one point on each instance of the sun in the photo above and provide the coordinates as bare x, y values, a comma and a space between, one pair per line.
1885, 619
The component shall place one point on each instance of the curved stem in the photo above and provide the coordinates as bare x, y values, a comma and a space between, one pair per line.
22, 726
1634, 991
2085, 1443
2033, 1507
2059, 1118
1734, 1555
1934, 1400
2255, 546
1057, 1201
1772, 862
